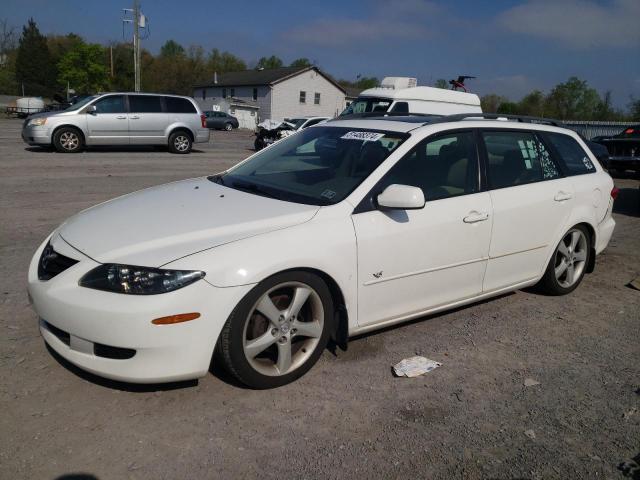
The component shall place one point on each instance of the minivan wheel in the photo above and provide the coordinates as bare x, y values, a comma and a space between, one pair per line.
68, 140
228, 127
568, 263
278, 330
180, 142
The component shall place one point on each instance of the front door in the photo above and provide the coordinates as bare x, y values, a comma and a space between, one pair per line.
109, 124
414, 260
531, 204
147, 120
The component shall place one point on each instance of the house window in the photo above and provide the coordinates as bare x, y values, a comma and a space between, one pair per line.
224, 93
204, 93
233, 92
316, 99
303, 96
255, 94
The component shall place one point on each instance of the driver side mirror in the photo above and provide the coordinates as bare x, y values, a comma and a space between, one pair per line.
401, 197
92, 109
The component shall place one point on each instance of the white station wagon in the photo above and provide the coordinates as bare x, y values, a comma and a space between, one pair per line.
340, 229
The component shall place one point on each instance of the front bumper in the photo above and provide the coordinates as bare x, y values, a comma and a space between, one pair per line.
36, 135
93, 318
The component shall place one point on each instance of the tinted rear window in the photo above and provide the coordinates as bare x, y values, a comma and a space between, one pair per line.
179, 105
144, 104
571, 154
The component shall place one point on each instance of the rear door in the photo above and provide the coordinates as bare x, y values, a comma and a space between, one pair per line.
413, 260
531, 205
147, 120
109, 124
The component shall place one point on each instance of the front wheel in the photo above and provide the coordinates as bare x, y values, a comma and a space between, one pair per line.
568, 263
180, 142
68, 140
278, 331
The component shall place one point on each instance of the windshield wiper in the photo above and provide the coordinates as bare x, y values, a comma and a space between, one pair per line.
253, 188
217, 179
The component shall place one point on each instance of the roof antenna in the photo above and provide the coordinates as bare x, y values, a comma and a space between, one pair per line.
459, 83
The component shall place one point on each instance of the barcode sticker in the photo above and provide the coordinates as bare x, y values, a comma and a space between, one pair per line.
363, 136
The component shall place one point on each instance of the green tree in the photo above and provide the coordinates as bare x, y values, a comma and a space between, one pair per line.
301, 62
573, 100
634, 109
441, 83
123, 77
509, 108
222, 62
532, 104
83, 68
269, 63
34, 68
171, 48
491, 102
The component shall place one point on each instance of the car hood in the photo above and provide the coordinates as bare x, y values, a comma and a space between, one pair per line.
155, 226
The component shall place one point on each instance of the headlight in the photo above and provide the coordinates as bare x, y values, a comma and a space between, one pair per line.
138, 280
37, 122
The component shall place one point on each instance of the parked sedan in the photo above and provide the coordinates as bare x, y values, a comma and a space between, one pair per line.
221, 121
340, 229
624, 150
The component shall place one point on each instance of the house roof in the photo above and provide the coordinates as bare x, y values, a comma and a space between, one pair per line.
269, 76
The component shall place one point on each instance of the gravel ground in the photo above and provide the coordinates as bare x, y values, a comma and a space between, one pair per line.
349, 417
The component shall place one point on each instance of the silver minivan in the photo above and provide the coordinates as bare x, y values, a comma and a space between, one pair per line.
120, 119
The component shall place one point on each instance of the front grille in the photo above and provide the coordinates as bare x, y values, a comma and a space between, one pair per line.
116, 353
63, 336
52, 263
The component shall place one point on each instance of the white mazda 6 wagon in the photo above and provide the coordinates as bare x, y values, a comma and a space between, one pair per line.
339, 229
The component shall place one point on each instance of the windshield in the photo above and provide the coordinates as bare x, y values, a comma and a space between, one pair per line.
317, 166
81, 103
297, 122
368, 104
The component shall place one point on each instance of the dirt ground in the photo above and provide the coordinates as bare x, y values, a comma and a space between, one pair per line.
348, 417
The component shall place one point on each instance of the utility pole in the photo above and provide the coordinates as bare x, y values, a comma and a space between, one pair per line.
139, 22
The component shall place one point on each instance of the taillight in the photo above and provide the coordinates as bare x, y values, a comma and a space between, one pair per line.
614, 192
629, 131
203, 120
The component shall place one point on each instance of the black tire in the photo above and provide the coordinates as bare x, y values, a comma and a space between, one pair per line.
68, 140
258, 144
231, 350
180, 142
228, 127
549, 283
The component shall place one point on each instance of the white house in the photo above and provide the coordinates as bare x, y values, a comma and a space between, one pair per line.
278, 93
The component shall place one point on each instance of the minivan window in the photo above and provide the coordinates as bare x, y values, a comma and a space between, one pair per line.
179, 105
144, 104
516, 158
445, 166
571, 154
366, 105
111, 104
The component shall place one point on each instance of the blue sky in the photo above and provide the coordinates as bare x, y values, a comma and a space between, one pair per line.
511, 46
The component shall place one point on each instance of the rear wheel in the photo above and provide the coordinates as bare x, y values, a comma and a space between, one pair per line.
568, 263
278, 331
180, 142
228, 127
68, 140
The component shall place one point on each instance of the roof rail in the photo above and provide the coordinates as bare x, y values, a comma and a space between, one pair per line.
497, 116
349, 116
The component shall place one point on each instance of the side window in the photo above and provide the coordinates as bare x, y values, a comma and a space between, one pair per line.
516, 158
111, 104
444, 166
179, 105
224, 93
571, 153
400, 107
255, 94
303, 96
233, 92
144, 104
316, 99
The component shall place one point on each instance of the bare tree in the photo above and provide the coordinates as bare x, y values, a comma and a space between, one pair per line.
8, 36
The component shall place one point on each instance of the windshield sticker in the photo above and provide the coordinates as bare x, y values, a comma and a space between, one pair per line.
328, 194
363, 136
587, 163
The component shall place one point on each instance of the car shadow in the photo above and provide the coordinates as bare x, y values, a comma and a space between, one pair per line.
110, 149
117, 385
628, 202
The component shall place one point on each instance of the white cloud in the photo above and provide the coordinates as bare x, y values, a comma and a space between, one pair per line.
580, 24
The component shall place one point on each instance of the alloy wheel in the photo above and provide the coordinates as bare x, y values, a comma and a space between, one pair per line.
571, 258
69, 140
181, 142
283, 328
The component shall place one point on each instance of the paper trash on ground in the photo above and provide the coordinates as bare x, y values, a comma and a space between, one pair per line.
415, 366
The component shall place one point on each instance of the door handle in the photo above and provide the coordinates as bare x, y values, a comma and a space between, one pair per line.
562, 196
121, 117
134, 117
475, 217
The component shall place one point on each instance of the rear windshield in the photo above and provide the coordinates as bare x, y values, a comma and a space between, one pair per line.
366, 105
316, 166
